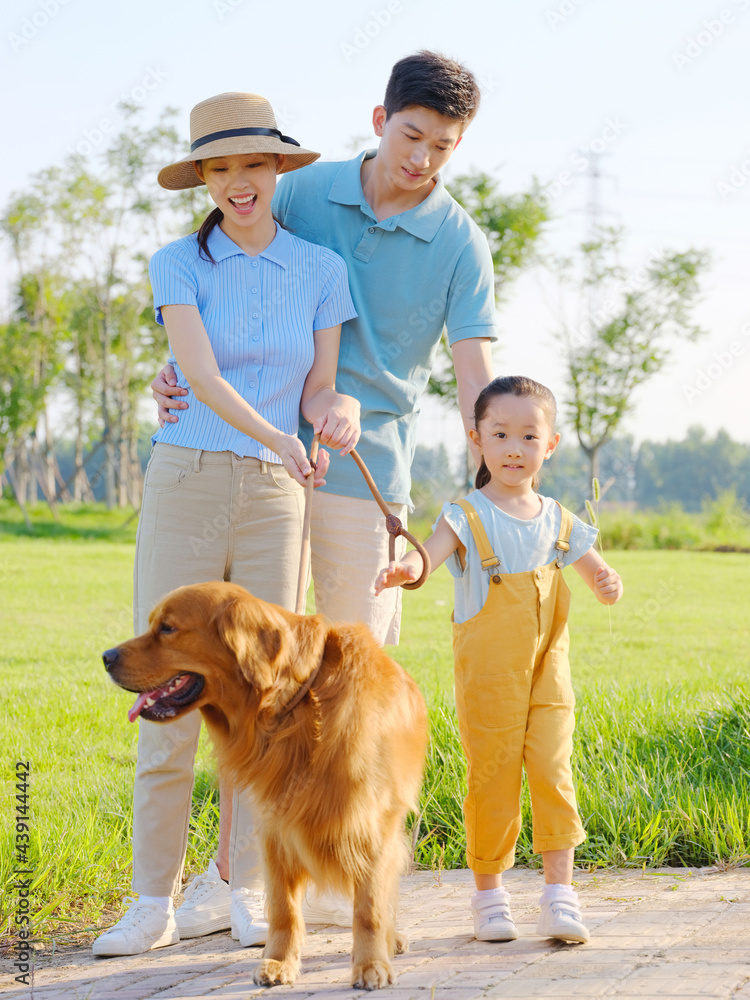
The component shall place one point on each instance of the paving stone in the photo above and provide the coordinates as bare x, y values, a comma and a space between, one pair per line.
537, 988
648, 940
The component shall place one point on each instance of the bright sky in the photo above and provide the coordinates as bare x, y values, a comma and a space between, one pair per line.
662, 87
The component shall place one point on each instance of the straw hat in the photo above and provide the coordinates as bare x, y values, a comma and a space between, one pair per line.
232, 124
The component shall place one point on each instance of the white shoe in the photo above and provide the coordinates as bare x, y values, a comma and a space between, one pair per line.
326, 908
206, 907
142, 927
560, 917
249, 925
492, 919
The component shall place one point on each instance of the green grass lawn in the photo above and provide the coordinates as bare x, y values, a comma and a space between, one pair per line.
662, 746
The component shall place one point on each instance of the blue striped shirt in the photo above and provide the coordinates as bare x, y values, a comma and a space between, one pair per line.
260, 314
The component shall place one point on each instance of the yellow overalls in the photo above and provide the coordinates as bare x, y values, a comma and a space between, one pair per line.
515, 707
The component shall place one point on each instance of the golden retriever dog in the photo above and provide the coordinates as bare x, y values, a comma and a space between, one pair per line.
329, 733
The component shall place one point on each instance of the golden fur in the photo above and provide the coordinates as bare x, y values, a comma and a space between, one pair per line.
333, 779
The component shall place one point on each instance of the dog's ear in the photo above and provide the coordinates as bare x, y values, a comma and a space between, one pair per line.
261, 642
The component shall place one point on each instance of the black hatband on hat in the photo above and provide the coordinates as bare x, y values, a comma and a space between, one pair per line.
231, 133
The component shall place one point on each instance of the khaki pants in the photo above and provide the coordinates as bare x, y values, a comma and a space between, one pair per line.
205, 516
349, 547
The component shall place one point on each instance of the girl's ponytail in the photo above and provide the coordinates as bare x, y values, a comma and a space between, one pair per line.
483, 476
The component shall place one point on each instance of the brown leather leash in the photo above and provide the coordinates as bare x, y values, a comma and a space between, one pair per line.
392, 523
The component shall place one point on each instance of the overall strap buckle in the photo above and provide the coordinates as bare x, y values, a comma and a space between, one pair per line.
490, 562
563, 542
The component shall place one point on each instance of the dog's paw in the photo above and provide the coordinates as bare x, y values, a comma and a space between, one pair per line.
271, 972
401, 943
373, 975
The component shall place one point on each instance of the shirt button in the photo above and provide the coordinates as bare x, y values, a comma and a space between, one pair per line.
255, 263
256, 337
256, 361
253, 290
255, 315
539, 574
251, 384
371, 229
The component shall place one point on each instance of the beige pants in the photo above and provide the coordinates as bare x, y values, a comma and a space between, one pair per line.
205, 516
349, 547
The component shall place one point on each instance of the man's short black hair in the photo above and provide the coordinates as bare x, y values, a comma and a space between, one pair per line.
430, 80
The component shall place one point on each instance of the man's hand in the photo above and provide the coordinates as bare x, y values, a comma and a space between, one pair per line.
339, 426
166, 392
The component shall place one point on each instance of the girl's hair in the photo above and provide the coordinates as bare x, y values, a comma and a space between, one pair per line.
512, 385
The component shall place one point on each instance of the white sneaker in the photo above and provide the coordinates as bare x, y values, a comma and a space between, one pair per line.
560, 917
142, 927
249, 925
492, 919
326, 907
207, 905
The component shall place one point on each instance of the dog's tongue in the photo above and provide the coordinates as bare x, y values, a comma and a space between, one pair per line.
144, 696
140, 703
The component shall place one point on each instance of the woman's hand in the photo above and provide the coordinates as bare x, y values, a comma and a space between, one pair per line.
294, 458
163, 388
339, 426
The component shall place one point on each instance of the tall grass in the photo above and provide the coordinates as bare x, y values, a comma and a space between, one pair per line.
658, 782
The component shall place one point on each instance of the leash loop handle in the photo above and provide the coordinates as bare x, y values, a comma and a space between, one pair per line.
392, 523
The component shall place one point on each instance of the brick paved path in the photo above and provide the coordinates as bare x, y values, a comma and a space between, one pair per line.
666, 933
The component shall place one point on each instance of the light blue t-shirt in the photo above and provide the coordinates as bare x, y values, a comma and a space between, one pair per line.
410, 276
520, 545
260, 314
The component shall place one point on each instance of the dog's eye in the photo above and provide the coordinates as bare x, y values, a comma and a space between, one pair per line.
165, 629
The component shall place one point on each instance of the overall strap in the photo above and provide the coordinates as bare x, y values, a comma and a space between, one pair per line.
490, 561
566, 526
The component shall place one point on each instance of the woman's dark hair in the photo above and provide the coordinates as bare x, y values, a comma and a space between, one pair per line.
512, 385
430, 80
212, 219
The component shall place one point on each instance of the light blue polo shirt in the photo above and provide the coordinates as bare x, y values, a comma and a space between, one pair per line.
260, 314
410, 276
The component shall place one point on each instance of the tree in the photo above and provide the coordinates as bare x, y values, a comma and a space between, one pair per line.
93, 226
633, 323
512, 224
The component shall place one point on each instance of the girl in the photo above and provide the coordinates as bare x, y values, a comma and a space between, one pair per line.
253, 316
505, 545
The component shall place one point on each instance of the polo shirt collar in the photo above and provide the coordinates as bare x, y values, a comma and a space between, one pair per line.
422, 221
279, 250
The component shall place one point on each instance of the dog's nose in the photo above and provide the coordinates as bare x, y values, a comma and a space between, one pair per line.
110, 657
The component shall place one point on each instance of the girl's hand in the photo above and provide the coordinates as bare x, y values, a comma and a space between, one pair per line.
396, 574
607, 585
339, 426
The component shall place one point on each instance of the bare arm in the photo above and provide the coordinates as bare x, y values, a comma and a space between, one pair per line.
601, 578
195, 356
472, 362
441, 543
333, 415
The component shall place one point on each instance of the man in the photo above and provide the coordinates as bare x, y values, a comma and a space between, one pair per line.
417, 265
